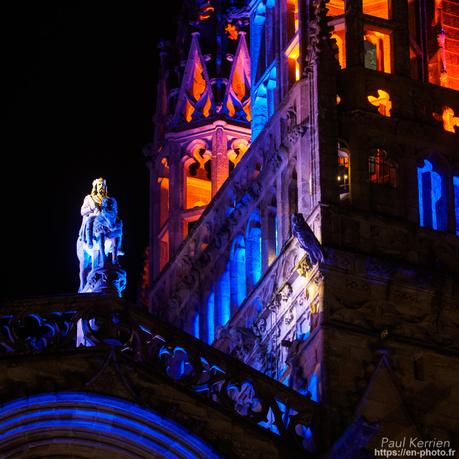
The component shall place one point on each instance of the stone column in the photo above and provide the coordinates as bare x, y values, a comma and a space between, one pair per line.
220, 165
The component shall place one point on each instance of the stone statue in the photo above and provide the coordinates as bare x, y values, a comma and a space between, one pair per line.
107, 231
307, 239
99, 243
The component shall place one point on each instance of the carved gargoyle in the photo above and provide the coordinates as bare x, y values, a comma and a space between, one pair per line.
307, 239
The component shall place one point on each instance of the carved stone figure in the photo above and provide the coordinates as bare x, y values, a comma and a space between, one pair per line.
307, 239
89, 211
99, 243
108, 231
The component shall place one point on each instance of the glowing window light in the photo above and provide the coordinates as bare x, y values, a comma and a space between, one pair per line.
254, 268
223, 312
381, 169
196, 325
383, 102
292, 53
339, 34
377, 8
238, 276
210, 313
432, 211
335, 8
377, 46
292, 18
163, 250
313, 387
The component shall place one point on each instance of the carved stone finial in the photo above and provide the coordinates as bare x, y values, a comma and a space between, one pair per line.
99, 243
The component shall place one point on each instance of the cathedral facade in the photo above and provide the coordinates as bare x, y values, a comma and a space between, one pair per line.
304, 204
301, 296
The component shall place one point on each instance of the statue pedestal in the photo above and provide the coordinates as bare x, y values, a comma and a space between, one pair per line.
111, 279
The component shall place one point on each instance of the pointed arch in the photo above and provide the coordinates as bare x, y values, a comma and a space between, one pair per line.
253, 253
195, 97
197, 175
431, 197
78, 423
238, 277
237, 97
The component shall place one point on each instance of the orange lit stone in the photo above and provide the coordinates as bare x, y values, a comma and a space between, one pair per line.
450, 122
383, 102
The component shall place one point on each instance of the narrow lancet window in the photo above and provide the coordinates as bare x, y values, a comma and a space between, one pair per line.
343, 175
381, 169
253, 249
238, 276
432, 203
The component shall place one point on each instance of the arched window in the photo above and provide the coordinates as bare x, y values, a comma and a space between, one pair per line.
210, 319
198, 183
235, 154
223, 298
253, 254
163, 180
381, 169
195, 325
238, 278
259, 110
343, 175
431, 195
271, 228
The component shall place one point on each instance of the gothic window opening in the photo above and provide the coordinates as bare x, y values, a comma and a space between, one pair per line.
335, 8
272, 243
196, 325
442, 53
253, 253
339, 34
431, 195
163, 250
210, 316
377, 8
190, 224
292, 18
293, 53
336, 20
198, 183
377, 49
238, 277
382, 170
222, 299
343, 176
237, 151
260, 110
416, 52
163, 181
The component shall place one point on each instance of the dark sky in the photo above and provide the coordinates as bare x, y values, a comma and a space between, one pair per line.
79, 104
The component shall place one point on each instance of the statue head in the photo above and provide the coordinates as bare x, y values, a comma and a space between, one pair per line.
99, 187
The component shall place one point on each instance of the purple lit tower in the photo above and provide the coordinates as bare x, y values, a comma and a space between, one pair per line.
344, 115
301, 296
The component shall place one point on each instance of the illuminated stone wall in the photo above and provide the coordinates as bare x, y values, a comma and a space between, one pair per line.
349, 132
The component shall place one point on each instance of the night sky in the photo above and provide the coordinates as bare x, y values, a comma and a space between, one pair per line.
80, 98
